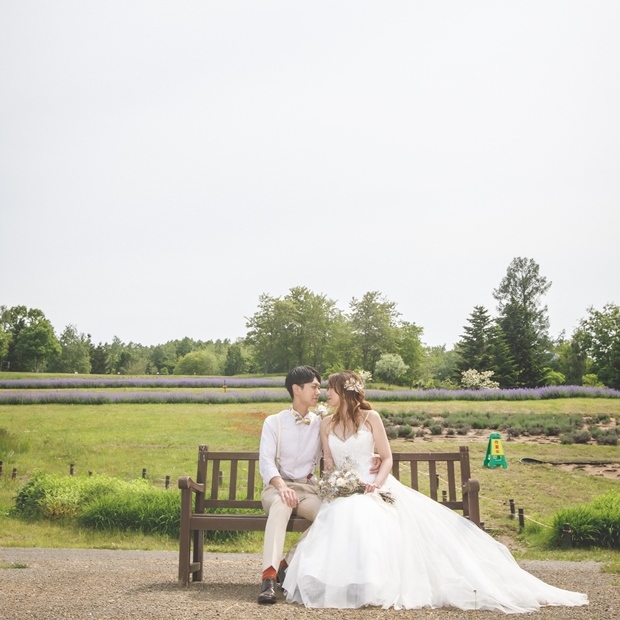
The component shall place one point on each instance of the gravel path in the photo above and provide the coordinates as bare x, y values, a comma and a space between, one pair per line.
86, 584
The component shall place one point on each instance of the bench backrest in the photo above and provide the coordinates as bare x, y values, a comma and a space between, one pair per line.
232, 479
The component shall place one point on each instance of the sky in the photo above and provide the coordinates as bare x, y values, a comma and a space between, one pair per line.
163, 164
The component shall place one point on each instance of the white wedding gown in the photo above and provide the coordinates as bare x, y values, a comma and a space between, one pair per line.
411, 554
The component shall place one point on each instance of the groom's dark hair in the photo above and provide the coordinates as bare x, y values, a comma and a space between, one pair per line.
300, 376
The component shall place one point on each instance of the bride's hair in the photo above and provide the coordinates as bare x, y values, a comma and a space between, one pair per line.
350, 390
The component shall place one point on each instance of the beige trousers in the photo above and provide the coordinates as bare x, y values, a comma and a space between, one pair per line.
278, 514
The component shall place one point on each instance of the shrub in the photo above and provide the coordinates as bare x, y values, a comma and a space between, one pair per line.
391, 432
567, 439
595, 524
435, 429
405, 431
582, 436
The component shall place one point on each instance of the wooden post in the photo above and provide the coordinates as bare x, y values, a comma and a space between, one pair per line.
167, 482
144, 472
220, 478
14, 474
521, 520
512, 508
0, 468
71, 466
567, 536
444, 496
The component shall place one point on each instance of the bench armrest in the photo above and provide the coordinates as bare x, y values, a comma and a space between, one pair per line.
471, 505
185, 482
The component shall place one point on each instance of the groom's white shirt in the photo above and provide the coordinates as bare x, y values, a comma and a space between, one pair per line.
300, 446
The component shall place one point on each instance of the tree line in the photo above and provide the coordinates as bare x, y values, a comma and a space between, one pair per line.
508, 350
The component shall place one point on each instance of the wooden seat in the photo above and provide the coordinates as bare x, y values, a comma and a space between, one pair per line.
231, 480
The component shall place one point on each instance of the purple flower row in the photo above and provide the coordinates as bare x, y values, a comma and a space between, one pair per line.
146, 382
15, 397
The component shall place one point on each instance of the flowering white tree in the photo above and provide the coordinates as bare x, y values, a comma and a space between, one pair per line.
475, 380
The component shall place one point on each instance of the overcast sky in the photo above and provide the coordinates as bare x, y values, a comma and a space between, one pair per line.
162, 164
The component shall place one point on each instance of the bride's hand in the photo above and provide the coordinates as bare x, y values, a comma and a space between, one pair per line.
372, 487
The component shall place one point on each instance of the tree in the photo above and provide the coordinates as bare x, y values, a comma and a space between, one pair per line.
13, 321
523, 319
390, 368
5, 339
163, 358
75, 352
35, 345
438, 368
294, 330
201, 362
474, 346
411, 350
599, 336
373, 322
236, 362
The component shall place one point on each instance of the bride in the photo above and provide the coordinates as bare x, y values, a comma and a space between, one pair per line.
407, 553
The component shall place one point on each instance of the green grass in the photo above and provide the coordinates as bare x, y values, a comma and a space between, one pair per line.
122, 440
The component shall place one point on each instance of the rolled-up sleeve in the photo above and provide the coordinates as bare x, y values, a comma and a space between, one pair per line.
267, 450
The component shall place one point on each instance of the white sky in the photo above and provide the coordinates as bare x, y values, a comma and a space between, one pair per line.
162, 164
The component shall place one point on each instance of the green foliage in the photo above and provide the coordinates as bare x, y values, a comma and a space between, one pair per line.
391, 368
599, 336
596, 524
523, 319
201, 363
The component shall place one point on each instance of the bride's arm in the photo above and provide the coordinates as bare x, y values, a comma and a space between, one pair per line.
382, 447
328, 460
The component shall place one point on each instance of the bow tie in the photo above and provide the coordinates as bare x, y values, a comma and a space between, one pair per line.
299, 419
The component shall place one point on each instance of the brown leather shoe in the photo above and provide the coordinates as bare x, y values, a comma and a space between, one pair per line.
267, 594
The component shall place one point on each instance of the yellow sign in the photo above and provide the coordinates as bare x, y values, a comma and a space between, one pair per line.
495, 453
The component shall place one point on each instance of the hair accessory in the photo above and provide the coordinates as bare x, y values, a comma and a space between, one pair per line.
353, 385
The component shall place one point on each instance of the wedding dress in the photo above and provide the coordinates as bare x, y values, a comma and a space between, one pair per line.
411, 554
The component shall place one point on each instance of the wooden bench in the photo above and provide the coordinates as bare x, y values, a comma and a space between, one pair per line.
231, 480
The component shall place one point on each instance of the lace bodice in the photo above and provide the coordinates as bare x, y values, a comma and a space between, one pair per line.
358, 448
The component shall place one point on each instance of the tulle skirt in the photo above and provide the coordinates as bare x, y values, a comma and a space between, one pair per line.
411, 554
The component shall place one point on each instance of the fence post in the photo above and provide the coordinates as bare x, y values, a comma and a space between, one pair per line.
444, 496
512, 508
0, 468
14, 474
167, 482
144, 472
71, 465
521, 520
220, 478
567, 536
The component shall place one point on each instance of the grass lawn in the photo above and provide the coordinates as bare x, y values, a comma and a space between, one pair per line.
123, 439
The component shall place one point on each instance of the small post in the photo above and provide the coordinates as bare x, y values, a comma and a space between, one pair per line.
220, 478
521, 520
437, 480
90, 473
167, 482
482, 525
71, 468
444, 496
567, 536
144, 472
512, 508
14, 474
0, 468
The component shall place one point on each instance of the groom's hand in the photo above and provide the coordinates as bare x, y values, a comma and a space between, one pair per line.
289, 497
375, 464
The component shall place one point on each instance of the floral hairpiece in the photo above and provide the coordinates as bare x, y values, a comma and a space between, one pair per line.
353, 385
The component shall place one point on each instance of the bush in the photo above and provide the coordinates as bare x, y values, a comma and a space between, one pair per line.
582, 436
594, 525
435, 429
567, 439
405, 431
391, 432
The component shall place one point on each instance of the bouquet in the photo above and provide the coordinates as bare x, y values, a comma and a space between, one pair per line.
343, 482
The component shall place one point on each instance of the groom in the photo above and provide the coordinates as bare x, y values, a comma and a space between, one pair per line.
290, 449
